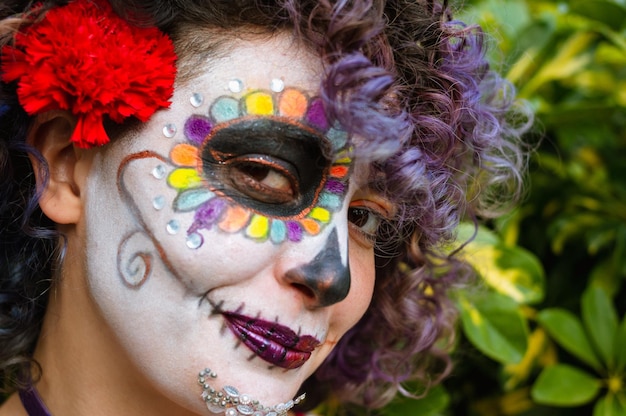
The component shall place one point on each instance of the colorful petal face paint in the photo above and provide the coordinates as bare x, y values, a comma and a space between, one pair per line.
279, 169
204, 225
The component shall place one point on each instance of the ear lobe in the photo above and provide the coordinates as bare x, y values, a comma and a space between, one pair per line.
61, 196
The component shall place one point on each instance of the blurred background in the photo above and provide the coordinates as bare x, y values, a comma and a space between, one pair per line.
545, 334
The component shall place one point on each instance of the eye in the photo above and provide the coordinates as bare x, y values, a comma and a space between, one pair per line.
263, 178
273, 167
365, 220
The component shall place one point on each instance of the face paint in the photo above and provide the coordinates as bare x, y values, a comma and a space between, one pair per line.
326, 276
261, 165
185, 212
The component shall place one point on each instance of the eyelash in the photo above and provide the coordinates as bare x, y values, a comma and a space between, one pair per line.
366, 233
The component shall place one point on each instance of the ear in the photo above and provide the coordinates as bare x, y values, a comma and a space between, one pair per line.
61, 193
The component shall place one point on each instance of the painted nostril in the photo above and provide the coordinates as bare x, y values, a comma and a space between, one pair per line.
305, 290
325, 278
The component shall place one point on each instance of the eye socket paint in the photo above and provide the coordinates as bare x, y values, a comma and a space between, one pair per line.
285, 126
281, 140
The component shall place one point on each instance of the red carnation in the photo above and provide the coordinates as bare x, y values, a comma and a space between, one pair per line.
86, 59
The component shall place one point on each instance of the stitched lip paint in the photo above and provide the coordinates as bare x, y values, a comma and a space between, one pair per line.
272, 342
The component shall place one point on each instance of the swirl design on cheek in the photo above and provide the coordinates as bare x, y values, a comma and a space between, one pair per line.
267, 165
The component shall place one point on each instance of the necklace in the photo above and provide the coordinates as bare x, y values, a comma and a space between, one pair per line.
32, 402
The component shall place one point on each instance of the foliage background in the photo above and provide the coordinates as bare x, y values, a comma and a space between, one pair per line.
546, 334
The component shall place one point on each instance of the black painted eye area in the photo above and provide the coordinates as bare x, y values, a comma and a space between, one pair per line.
268, 164
264, 178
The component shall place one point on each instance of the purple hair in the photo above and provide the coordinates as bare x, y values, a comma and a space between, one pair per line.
441, 130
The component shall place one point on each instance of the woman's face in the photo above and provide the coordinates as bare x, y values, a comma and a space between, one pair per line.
231, 231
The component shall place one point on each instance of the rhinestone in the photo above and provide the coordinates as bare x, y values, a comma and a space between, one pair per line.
214, 408
271, 414
245, 410
159, 172
231, 391
235, 85
158, 203
258, 413
170, 130
196, 99
277, 85
231, 412
173, 227
194, 241
289, 405
245, 399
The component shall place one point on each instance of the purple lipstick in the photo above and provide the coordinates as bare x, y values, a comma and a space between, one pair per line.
271, 341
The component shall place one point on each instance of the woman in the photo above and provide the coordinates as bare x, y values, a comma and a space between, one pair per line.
216, 206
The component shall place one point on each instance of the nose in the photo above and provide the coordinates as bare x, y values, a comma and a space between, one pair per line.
325, 280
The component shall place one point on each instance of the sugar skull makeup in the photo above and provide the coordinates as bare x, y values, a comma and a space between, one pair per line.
266, 164
230, 239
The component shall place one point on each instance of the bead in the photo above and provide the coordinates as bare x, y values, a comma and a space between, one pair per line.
196, 100
170, 130
194, 241
235, 85
231, 391
173, 227
159, 202
159, 172
245, 410
277, 85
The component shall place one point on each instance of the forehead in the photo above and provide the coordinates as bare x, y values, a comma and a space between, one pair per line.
254, 59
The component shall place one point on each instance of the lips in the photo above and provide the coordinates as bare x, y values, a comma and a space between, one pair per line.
272, 342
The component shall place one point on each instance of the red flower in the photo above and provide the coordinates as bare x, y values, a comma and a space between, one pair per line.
86, 59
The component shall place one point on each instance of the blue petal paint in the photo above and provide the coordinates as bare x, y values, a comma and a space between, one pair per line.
338, 138
330, 201
278, 232
192, 199
225, 109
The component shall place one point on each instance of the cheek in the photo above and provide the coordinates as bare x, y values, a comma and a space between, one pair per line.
362, 272
197, 256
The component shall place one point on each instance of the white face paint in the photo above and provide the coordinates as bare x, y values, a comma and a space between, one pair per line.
222, 223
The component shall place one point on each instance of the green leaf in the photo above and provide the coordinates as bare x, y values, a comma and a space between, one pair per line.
604, 275
600, 319
511, 271
607, 12
435, 402
620, 347
494, 325
610, 405
568, 332
566, 386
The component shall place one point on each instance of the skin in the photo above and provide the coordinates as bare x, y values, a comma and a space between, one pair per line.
123, 343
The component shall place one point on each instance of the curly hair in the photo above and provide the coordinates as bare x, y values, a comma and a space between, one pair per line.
442, 131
